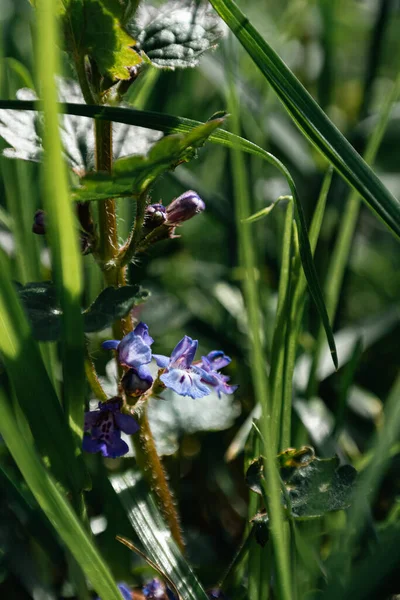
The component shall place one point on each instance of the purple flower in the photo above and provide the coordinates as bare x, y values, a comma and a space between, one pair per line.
125, 592
179, 374
134, 349
184, 207
210, 364
156, 590
105, 426
135, 384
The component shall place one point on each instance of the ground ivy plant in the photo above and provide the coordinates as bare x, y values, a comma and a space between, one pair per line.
109, 45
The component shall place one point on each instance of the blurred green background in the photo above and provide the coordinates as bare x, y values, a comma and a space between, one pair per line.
346, 54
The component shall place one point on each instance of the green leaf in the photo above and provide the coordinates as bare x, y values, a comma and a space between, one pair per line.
156, 539
55, 506
314, 486
133, 174
44, 313
310, 118
178, 34
92, 27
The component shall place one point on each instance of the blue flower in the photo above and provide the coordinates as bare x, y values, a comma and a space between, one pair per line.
210, 365
180, 375
105, 426
125, 592
156, 590
134, 349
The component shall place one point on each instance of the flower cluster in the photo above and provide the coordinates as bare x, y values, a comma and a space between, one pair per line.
178, 372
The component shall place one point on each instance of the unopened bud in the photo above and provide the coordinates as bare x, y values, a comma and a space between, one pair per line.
134, 384
39, 225
155, 216
184, 207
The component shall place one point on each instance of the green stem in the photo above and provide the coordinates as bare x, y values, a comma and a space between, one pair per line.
150, 465
92, 378
278, 340
108, 243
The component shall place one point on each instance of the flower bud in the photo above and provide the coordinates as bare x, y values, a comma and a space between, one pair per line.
155, 216
134, 384
184, 207
39, 224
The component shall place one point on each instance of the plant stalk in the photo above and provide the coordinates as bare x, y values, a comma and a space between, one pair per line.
150, 465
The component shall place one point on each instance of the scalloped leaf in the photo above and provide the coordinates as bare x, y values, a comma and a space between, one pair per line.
93, 27
177, 34
133, 174
314, 486
44, 314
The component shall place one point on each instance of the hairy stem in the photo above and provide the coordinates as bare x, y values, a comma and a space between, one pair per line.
115, 274
150, 465
130, 248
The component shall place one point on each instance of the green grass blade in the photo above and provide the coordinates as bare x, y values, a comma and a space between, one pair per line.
172, 124
66, 259
55, 506
310, 118
257, 356
282, 318
348, 222
33, 388
154, 535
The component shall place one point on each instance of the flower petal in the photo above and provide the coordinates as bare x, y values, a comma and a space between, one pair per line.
126, 423
91, 418
218, 360
142, 330
183, 353
133, 351
161, 360
111, 344
92, 445
116, 447
185, 383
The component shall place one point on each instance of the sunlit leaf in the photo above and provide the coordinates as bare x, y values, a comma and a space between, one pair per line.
22, 132
132, 175
44, 313
92, 27
177, 33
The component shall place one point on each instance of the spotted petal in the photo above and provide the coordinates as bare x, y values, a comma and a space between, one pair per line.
185, 382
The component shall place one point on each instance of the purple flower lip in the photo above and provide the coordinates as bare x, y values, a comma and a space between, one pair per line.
184, 207
103, 429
